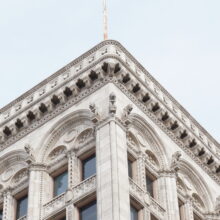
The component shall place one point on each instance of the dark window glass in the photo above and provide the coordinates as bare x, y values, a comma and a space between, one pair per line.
1, 214
22, 207
152, 217
180, 208
134, 213
130, 173
149, 183
88, 212
196, 217
60, 183
89, 167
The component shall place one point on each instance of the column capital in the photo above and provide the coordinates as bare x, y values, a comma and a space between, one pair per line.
7, 191
71, 152
38, 167
168, 173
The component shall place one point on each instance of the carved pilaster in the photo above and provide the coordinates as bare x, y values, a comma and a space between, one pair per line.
167, 195
9, 211
112, 172
39, 190
141, 175
73, 169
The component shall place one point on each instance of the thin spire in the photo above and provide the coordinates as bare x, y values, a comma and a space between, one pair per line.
105, 20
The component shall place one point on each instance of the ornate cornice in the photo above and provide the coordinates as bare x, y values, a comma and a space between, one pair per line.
109, 62
110, 47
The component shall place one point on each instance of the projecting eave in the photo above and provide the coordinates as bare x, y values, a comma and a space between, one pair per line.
110, 61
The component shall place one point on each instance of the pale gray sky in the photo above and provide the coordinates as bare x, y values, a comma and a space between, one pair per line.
177, 41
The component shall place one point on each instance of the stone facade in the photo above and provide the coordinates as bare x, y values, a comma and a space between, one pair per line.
106, 103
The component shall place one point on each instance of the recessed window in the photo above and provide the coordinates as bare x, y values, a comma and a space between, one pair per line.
60, 183
131, 167
22, 204
89, 211
150, 184
152, 217
181, 204
89, 167
136, 210
133, 213
1, 214
196, 217
130, 170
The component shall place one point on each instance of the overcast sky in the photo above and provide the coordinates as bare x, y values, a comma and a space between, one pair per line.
177, 41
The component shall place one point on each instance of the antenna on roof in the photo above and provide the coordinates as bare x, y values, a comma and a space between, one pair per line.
105, 20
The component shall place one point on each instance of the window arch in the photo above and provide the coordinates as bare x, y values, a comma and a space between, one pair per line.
193, 184
148, 139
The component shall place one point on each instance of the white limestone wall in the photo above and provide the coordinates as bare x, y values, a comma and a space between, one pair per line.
112, 186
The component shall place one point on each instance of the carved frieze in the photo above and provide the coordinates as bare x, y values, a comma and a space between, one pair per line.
19, 176
57, 152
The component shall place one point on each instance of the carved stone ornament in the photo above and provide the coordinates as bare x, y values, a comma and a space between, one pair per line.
28, 149
56, 152
95, 114
141, 140
217, 204
126, 112
180, 185
8, 174
151, 158
70, 136
112, 106
174, 165
86, 134
197, 201
132, 142
20, 175
30, 153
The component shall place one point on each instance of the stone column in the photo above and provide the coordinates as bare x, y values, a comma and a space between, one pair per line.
186, 210
39, 189
112, 171
9, 206
167, 194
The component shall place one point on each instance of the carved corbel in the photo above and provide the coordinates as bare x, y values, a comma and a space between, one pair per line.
95, 115
62, 98
213, 166
30, 158
205, 157
174, 165
174, 126
126, 112
112, 106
